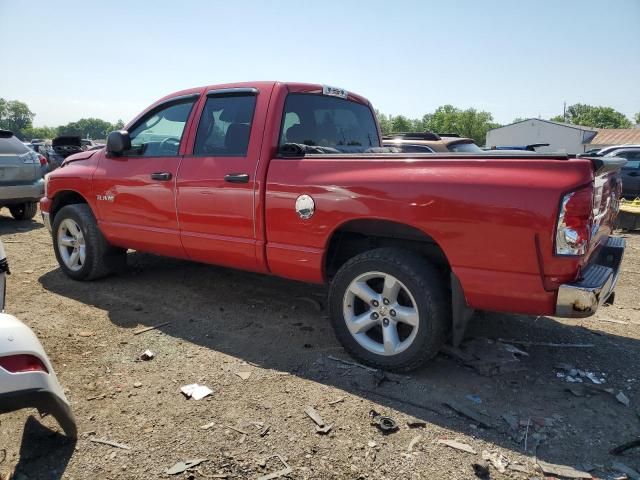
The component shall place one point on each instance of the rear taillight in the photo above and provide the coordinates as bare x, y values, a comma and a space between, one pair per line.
22, 363
573, 231
43, 160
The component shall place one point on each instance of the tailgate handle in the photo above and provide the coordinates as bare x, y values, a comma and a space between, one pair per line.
162, 176
237, 178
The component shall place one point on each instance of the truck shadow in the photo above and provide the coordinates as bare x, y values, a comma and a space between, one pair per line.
43, 450
8, 225
283, 325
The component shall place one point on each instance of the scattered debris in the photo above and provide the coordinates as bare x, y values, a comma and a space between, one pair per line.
280, 473
321, 426
195, 391
481, 470
152, 327
458, 446
184, 466
611, 320
244, 375
548, 344
620, 449
235, 429
480, 418
474, 398
147, 355
576, 375
137, 384
207, 426
526, 434
628, 471
623, 399
518, 468
337, 400
110, 443
265, 430
413, 442
487, 356
353, 364
86, 334
499, 461
384, 423
562, 470
415, 423
511, 420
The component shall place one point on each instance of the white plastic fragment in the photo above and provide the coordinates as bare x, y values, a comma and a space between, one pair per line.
195, 391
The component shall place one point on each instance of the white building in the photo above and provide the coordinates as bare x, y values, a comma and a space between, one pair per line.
561, 137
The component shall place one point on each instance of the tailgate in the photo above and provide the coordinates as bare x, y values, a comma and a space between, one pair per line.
606, 197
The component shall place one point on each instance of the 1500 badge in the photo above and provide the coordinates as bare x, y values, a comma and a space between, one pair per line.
106, 198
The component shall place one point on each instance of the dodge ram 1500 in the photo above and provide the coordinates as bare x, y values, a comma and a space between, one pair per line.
290, 179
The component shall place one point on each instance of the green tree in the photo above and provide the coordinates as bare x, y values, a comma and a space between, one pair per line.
15, 116
596, 117
384, 121
401, 123
40, 132
636, 118
119, 125
87, 128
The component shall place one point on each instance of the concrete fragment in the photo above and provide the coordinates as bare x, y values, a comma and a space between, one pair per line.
463, 447
562, 470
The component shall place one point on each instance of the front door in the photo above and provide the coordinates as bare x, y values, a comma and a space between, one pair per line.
215, 189
631, 174
135, 192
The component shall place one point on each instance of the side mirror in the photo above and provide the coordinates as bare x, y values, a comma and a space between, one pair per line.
118, 142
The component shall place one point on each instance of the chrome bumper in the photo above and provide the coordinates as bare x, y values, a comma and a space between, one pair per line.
46, 220
582, 298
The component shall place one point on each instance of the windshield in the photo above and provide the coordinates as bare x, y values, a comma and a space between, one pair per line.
340, 125
465, 148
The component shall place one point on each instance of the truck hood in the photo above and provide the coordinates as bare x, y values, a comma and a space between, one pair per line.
79, 156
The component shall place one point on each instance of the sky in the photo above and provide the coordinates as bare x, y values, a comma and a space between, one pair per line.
111, 59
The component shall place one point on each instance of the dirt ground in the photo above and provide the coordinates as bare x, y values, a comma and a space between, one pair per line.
265, 348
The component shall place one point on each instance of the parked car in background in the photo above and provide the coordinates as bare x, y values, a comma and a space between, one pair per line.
607, 150
65, 145
291, 179
527, 148
27, 379
429, 142
21, 176
630, 171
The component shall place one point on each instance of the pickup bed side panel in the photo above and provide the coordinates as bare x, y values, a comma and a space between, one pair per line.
484, 213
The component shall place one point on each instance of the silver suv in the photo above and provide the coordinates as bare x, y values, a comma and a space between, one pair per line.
21, 177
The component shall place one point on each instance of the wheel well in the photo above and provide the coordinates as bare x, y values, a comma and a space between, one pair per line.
358, 236
62, 199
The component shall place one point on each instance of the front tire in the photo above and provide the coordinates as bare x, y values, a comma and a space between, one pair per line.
81, 250
390, 309
24, 211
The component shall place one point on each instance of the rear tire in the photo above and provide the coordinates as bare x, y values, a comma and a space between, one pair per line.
24, 211
81, 250
390, 309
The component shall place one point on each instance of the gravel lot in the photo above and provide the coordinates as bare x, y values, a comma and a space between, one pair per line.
263, 345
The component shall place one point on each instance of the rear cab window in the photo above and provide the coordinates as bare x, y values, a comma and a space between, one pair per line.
336, 124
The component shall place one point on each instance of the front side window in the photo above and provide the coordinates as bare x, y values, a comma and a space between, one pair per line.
225, 125
339, 125
159, 134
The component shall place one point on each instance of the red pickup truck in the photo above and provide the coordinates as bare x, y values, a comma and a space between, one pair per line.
290, 179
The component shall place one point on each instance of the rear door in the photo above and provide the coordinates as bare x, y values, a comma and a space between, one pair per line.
19, 165
135, 192
216, 185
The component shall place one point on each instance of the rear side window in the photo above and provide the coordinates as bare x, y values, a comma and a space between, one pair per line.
225, 125
633, 160
12, 146
340, 125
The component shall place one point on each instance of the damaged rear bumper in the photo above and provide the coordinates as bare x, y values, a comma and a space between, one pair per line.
582, 298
